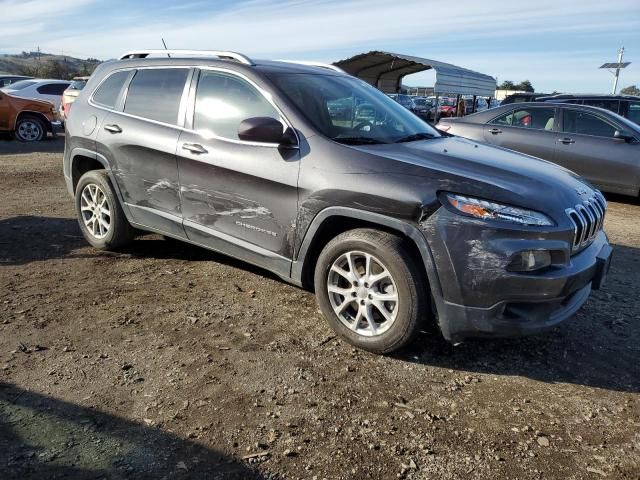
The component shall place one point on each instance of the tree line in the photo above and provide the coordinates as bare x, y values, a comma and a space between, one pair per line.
63, 69
524, 86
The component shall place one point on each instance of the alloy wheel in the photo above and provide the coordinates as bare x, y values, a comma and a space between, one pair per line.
362, 293
95, 210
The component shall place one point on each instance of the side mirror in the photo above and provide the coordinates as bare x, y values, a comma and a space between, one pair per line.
623, 135
264, 130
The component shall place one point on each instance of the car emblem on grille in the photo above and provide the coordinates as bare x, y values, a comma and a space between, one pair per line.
581, 191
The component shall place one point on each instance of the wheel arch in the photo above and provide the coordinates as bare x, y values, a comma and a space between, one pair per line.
83, 161
31, 113
334, 220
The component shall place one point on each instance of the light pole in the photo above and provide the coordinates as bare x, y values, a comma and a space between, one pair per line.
617, 66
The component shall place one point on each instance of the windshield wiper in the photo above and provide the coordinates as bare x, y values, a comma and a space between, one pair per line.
358, 140
415, 137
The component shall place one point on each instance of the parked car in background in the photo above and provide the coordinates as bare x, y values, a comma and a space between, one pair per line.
29, 120
415, 104
421, 107
446, 108
39, 89
600, 145
6, 80
390, 222
522, 97
627, 106
70, 94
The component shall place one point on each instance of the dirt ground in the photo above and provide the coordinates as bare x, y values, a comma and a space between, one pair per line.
169, 361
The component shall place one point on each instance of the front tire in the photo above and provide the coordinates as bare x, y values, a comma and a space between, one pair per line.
100, 216
30, 128
370, 289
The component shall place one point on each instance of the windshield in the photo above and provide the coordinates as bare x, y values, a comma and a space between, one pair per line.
77, 84
21, 84
350, 111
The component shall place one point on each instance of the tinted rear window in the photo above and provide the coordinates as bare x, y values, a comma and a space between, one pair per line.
155, 94
107, 93
52, 88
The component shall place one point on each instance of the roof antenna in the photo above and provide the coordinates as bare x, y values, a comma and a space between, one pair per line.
165, 47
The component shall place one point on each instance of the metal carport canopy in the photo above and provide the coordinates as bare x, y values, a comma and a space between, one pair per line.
385, 71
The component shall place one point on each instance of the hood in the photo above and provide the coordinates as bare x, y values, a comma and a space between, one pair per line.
463, 166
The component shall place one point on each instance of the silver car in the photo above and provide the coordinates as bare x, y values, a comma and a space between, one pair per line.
600, 145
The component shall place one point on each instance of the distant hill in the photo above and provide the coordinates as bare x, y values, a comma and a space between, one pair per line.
47, 65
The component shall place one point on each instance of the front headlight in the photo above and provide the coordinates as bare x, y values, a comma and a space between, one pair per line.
487, 210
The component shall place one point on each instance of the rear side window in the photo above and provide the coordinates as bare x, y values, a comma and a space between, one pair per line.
52, 88
606, 104
223, 101
534, 118
107, 93
574, 121
156, 93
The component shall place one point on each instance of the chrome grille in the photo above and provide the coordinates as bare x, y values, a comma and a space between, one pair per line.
587, 219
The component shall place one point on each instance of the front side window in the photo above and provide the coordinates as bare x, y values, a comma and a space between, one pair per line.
223, 101
574, 121
155, 93
534, 118
108, 92
350, 111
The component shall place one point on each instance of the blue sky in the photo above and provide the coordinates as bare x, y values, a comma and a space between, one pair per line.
556, 44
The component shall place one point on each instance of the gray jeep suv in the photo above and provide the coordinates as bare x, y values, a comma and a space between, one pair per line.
392, 223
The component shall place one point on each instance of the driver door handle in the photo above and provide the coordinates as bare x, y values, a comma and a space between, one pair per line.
566, 140
495, 131
194, 148
113, 128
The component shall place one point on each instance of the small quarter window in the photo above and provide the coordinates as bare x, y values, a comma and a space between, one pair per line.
107, 94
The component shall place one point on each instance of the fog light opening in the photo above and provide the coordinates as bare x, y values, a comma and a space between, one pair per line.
530, 260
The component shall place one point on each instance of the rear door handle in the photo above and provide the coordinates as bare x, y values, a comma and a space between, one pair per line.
495, 131
194, 148
566, 141
113, 128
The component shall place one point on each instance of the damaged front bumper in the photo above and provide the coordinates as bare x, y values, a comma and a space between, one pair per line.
480, 297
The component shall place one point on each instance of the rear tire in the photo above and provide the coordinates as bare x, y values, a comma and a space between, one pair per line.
370, 290
30, 128
100, 216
